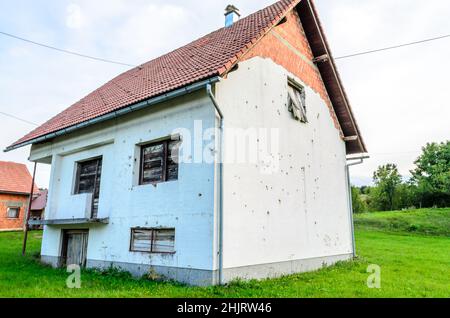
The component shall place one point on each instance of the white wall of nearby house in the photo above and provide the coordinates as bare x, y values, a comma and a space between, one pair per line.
302, 210
186, 204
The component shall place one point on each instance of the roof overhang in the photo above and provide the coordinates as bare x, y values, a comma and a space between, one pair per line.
15, 193
330, 76
125, 110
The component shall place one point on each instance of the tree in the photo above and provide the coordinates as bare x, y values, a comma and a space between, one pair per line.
359, 206
386, 179
432, 174
405, 196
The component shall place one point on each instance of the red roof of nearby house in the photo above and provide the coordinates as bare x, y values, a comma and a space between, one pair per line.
212, 55
15, 178
40, 201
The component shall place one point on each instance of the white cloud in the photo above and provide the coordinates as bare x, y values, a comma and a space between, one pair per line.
75, 18
153, 30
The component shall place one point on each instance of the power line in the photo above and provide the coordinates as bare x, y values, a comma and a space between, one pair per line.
18, 118
392, 47
131, 65
65, 51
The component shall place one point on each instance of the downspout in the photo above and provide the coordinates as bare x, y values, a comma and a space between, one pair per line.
220, 181
350, 203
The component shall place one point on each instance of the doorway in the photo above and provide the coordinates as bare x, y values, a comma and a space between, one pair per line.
74, 249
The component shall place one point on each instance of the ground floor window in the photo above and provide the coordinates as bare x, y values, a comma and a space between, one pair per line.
152, 240
13, 213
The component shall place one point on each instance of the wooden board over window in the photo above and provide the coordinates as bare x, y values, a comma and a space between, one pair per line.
297, 102
159, 162
152, 240
88, 181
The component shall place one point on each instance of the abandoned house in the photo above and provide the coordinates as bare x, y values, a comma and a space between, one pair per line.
120, 195
15, 187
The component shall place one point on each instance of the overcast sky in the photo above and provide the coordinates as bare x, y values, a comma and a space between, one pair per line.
400, 98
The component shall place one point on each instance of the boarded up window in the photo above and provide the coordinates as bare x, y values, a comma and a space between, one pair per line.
88, 181
153, 240
13, 213
297, 103
159, 162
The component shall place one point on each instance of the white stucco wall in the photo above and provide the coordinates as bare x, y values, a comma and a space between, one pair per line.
186, 204
298, 212
301, 211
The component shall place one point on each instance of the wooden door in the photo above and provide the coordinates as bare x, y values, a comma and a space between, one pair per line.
75, 247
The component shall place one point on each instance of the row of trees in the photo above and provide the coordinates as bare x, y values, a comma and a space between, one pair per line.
429, 185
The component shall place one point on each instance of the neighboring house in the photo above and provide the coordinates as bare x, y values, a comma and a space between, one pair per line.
140, 181
38, 207
15, 186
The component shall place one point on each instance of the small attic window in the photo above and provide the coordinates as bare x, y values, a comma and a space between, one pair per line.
297, 101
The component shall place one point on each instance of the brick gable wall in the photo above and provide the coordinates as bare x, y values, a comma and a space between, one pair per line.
287, 45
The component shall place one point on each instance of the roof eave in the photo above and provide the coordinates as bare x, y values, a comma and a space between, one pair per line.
120, 112
333, 83
14, 192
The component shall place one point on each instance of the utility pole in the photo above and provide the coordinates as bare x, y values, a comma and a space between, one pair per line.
28, 213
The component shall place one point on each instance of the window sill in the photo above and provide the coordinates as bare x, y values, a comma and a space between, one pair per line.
154, 183
154, 253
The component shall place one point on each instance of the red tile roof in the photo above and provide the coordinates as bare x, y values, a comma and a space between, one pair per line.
15, 178
211, 55
40, 201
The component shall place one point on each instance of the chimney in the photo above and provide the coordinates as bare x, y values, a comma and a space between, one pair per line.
231, 15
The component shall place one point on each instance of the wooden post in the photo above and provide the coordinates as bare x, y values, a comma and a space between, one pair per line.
28, 213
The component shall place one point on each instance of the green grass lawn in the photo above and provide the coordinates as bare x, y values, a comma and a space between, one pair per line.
425, 221
412, 265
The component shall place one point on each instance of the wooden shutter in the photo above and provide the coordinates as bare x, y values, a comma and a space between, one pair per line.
153, 163
159, 162
163, 241
152, 240
297, 103
141, 240
172, 160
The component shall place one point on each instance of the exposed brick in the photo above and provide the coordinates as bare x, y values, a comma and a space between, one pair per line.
271, 47
7, 200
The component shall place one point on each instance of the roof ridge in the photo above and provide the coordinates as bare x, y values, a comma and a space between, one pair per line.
263, 33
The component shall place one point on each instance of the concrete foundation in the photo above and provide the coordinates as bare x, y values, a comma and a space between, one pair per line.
198, 277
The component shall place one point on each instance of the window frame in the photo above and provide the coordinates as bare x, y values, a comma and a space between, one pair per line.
301, 90
152, 239
13, 208
165, 142
76, 190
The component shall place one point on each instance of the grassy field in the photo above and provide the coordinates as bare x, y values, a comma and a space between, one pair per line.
412, 265
434, 222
